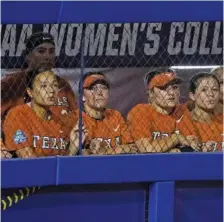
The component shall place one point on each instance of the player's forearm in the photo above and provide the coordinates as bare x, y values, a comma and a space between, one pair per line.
146, 145
5, 154
72, 150
26, 153
127, 148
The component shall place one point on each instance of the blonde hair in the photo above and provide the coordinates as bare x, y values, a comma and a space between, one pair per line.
215, 70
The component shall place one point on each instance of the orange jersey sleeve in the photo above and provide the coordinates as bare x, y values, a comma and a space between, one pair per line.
16, 131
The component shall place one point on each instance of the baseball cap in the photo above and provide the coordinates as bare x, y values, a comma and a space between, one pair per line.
37, 39
161, 78
93, 78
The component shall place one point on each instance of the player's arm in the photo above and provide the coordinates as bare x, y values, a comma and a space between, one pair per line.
17, 135
4, 151
142, 134
128, 145
26, 152
147, 145
74, 139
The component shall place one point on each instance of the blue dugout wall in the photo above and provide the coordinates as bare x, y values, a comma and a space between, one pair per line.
132, 188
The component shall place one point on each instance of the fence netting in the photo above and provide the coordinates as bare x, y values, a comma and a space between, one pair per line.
111, 88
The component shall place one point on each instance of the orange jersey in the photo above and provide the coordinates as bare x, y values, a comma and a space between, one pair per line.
204, 131
145, 122
13, 89
219, 118
23, 128
112, 130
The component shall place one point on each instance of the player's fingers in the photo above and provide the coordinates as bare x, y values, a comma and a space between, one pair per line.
5, 154
175, 150
193, 138
205, 148
195, 147
209, 146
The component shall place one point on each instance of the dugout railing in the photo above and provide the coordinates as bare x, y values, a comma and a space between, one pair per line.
133, 188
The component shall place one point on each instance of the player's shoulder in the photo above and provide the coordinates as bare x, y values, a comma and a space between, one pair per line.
141, 108
14, 76
23, 108
19, 111
112, 113
13, 85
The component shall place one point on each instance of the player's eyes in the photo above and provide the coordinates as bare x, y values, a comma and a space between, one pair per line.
175, 87
41, 51
204, 89
44, 86
51, 51
104, 87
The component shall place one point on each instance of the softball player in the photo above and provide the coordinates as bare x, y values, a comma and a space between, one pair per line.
107, 131
153, 126
29, 128
203, 121
40, 54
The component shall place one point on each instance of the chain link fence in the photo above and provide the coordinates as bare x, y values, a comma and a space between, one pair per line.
111, 88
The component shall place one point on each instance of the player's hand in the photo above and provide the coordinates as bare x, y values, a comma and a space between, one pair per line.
194, 142
208, 146
74, 138
122, 149
86, 152
95, 146
175, 150
5, 154
191, 141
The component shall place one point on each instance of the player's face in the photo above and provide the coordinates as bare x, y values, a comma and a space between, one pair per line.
167, 97
43, 56
207, 93
219, 75
97, 96
45, 89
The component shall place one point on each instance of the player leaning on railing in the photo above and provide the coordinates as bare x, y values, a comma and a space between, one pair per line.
153, 126
203, 121
40, 53
30, 129
106, 130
